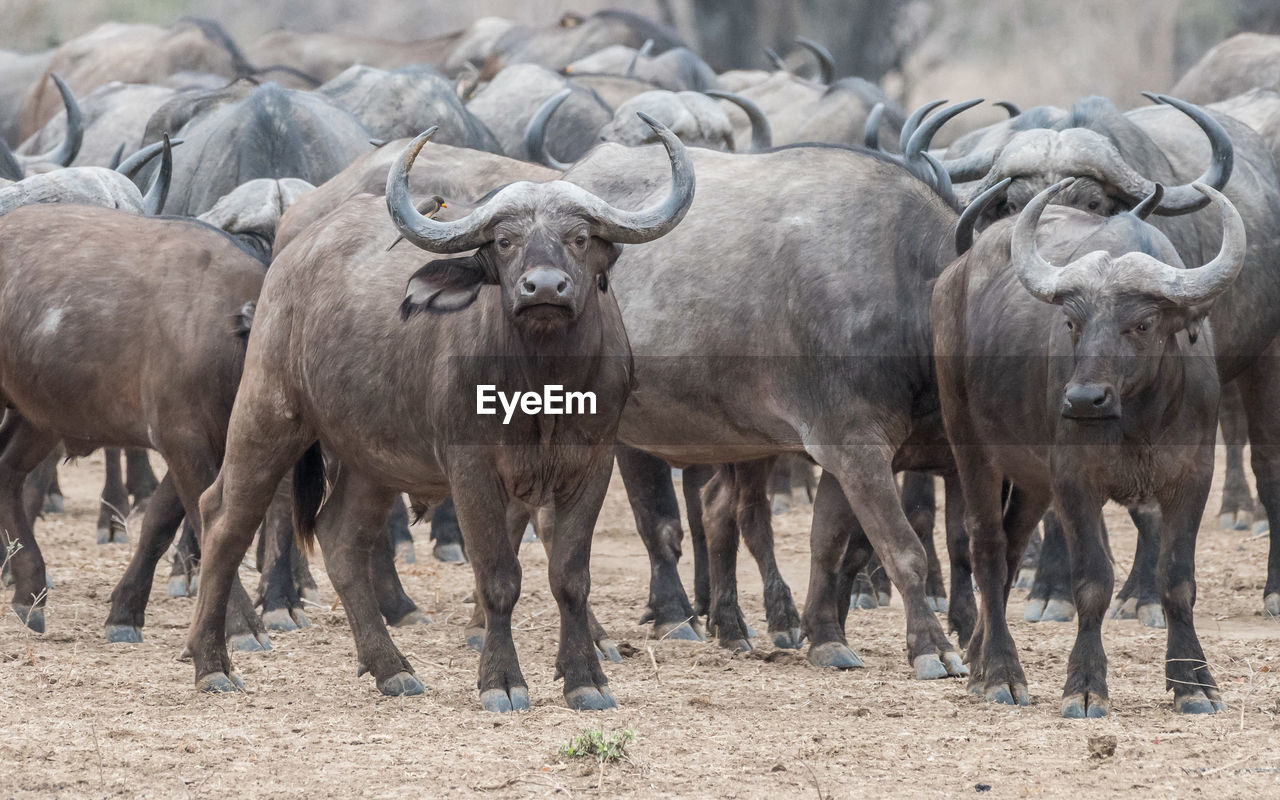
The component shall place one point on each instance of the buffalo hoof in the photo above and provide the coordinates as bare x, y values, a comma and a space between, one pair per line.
608, 649
530, 536
278, 619
863, 601
104, 536
33, 618
781, 505
1261, 528
751, 632
449, 553
1227, 521
1198, 702
1244, 520
500, 701
219, 683
590, 698
193, 586
834, 655
1026, 576
127, 634
178, 586
1085, 706
680, 630
938, 604
929, 666
736, 645
882, 599
405, 553
1058, 610
414, 617
1123, 608
1035, 608
53, 504
1007, 694
787, 640
310, 594
249, 643
1151, 615
402, 684
1271, 605
475, 638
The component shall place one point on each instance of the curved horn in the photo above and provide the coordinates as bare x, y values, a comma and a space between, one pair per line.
1191, 287
973, 212
871, 128
1143, 210
612, 224
1185, 199
158, 191
775, 59
923, 135
826, 62
1009, 107
971, 167
131, 165
535, 136
644, 50
10, 169
1037, 275
65, 151
117, 156
761, 131
913, 122
941, 181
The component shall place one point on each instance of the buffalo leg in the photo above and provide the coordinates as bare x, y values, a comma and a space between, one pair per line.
277, 591
53, 502
962, 613
724, 616
38, 487
1050, 597
24, 449
865, 474
1259, 388
398, 532
1237, 509
129, 598
919, 501
114, 507
1086, 693
693, 479
395, 605
446, 534
351, 529
653, 502
1138, 597
139, 479
184, 575
756, 527
1186, 669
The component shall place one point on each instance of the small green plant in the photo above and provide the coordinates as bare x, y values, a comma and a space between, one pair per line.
603, 747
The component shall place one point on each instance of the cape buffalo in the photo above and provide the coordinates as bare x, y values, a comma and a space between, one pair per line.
530, 308
1119, 403
1243, 62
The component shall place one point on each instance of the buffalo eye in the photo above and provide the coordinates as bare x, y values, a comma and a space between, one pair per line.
580, 240
1142, 327
1071, 326
504, 244
1093, 205
602, 281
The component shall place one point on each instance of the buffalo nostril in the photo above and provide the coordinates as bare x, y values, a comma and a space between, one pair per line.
561, 286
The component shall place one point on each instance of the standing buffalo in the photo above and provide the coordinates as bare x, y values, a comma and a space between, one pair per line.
1243, 62
530, 308
1120, 403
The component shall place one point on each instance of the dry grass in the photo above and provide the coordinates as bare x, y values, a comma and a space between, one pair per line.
83, 718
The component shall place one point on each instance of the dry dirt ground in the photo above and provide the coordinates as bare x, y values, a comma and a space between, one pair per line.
81, 718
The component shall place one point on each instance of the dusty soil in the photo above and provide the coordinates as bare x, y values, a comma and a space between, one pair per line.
82, 718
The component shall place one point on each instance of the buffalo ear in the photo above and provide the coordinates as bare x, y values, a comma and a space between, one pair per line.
442, 286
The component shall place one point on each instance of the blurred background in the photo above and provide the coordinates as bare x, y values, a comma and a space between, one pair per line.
1027, 51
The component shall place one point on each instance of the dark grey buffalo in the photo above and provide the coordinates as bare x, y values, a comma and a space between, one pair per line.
1118, 156
1118, 401
509, 102
837, 364
268, 132
399, 103
252, 211
529, 308
97, 186
1243, 62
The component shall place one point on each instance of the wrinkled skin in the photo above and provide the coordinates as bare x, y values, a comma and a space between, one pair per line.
996, 346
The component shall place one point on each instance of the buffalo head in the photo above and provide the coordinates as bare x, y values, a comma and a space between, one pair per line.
1123, 311
547, 246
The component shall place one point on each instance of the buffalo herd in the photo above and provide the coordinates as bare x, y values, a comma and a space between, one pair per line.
328, 273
